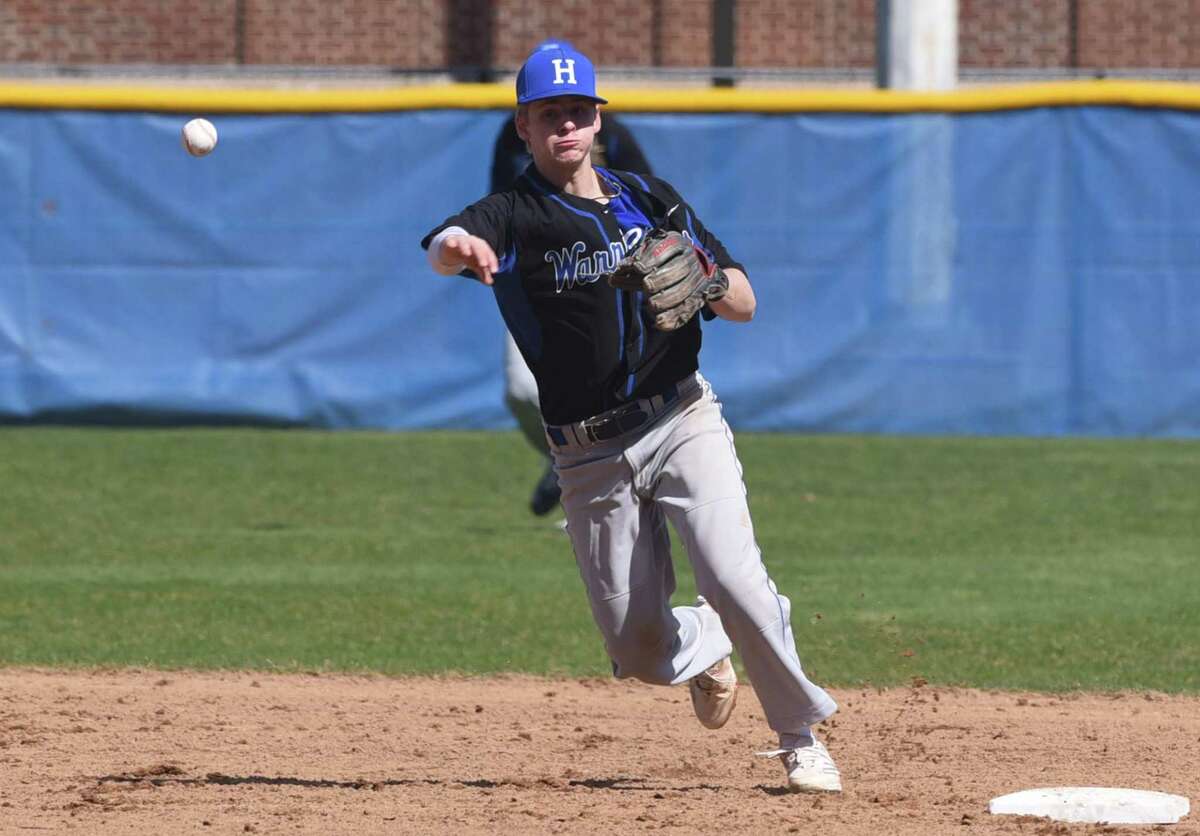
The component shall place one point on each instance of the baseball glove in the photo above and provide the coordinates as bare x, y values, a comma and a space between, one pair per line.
677, 277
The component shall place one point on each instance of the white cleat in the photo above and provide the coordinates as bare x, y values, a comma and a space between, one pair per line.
809, 768
714, 694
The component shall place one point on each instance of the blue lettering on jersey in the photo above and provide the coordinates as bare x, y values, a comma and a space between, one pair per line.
572, 268
566, 265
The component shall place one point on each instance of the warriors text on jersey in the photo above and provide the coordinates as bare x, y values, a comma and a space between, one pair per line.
590, 347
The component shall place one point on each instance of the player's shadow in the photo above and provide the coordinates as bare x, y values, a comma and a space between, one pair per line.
618, 784
775, 791
217, 778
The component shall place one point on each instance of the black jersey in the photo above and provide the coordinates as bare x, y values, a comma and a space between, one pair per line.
590, 347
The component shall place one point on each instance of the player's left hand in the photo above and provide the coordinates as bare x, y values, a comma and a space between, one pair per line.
677, 277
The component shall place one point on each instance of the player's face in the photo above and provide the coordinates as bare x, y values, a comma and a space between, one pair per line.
559, 131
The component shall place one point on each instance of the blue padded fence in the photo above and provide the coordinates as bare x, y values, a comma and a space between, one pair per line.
1027, 271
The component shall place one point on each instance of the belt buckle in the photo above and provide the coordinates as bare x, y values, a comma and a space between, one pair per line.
616, 422
597, 430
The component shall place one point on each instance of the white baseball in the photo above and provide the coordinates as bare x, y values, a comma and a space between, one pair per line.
199, 137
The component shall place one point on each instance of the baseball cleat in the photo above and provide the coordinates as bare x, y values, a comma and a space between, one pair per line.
714, 694
546, 493
809, 768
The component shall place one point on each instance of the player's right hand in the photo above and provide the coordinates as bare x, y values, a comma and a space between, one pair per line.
471, 252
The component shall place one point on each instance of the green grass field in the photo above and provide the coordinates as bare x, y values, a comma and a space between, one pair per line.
1044, 564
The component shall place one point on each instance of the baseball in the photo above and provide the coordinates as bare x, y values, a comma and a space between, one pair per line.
199, 137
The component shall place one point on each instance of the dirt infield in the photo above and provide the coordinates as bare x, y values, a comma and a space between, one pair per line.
152, 752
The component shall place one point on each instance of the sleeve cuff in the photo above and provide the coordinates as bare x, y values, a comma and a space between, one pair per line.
435, 249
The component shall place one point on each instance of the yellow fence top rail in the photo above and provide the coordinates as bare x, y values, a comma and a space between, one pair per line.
180, 99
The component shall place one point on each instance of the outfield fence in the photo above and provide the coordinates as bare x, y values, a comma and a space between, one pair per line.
1016, 260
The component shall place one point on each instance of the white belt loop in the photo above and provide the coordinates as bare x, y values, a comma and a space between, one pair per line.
580, 439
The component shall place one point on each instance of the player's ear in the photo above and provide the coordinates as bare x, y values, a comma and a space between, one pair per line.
596, 125
521, 118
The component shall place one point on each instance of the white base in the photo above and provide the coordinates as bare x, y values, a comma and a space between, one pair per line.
1108, 805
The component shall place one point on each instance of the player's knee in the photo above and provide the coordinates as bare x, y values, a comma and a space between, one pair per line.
749, 606
639, 650
728, 585
642, 640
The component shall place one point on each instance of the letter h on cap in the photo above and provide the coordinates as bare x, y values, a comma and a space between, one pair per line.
564, 70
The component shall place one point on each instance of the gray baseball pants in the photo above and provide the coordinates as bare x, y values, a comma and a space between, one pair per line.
619, 495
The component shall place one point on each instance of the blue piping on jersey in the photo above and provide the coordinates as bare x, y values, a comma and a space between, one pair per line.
696, 238
570, 208
637, 214
637, 313
706, 312
620, 294
621, 336
686, 213
608, 242
506, 264
641, 182
582, 213
637, 300
631, 379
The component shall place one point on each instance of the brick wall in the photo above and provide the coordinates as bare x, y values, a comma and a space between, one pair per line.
608, 36
1101, 34
1118, 33
805, 33
434, 34
400, 33
1020, 33
116, 31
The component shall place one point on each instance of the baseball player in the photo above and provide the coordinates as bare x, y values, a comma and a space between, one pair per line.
602, 277
614, 145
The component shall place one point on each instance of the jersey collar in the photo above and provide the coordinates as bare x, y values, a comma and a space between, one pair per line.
545, 186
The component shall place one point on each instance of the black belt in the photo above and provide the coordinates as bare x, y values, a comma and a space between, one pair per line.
617, 421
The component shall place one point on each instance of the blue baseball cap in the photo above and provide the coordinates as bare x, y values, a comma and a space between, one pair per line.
555, 68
